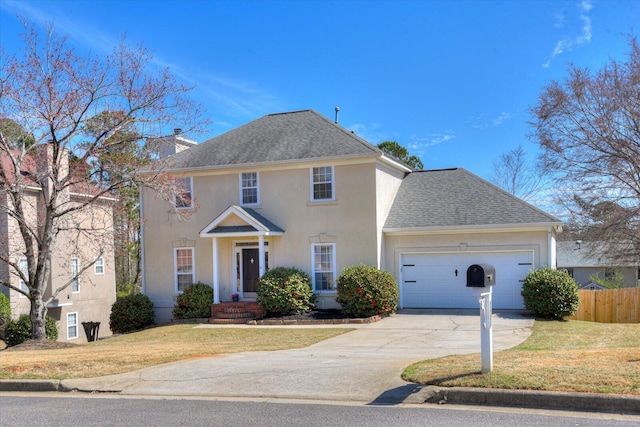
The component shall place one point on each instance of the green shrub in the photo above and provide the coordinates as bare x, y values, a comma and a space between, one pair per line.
194, 302
283, 291
550, 293
124, 289
17, 332
131, 313
365, 291
5, 309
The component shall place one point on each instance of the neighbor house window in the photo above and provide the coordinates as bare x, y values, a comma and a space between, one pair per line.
98, 267
324, 266
322, 183
185, 273
72, 326
75, 268
24, 268
249, 193
569, 271
184, 192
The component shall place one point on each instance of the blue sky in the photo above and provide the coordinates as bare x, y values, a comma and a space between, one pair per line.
450, 80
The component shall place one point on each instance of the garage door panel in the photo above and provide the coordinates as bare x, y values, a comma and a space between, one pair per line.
439, 280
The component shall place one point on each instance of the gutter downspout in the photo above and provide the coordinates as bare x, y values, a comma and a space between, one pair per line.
142, 255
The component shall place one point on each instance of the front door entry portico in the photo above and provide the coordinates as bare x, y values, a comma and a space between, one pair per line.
250, 269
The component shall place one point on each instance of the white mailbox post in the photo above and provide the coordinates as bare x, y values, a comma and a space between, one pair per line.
486, 332
481, 278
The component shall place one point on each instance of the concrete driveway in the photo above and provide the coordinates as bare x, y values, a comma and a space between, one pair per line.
362, 365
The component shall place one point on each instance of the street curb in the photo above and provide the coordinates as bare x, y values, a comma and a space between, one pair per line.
588, 402
30, 385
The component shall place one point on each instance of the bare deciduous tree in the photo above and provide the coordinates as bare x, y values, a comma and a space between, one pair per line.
56, 95
589, 129
515, 174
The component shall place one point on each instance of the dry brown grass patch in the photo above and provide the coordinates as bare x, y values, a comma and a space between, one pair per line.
152, 347
559, 356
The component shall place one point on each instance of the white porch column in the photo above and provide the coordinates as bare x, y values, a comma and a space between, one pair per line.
551, 248
216, 279
261, 269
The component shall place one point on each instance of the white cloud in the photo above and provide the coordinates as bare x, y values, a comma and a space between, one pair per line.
504, 116
567, 43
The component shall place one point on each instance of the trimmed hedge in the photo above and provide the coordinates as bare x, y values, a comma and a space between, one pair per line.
550, 293
5, 309
17, 332
194, 302
283, 291
131, 313
365, 291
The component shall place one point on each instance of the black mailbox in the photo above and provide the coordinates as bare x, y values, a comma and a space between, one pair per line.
481, 275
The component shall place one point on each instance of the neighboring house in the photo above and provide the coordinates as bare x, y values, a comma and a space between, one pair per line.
582, 260
296, 189
90, 296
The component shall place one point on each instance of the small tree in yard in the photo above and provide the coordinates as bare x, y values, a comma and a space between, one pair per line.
87, 120
550, 293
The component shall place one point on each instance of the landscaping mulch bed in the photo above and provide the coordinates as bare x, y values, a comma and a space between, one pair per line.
315, 317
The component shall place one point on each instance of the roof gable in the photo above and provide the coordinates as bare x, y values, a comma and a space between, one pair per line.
284, 137
238, 221
456, 198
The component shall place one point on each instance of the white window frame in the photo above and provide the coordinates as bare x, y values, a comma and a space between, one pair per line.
179, 193
315, 270
70, 325
24, 268
176, 273
313, 183
75, 269
98, 267
243, 187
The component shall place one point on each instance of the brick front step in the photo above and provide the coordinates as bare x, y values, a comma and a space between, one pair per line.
213, 321
235, 312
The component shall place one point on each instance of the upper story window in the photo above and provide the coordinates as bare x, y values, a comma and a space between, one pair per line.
184, 192
25, 271
322, 184
249, 188
98, 267
75, 268
323, 266
184, 271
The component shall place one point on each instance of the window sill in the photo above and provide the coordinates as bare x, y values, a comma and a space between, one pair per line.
322, 202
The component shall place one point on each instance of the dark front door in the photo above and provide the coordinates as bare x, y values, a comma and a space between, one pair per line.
250, 270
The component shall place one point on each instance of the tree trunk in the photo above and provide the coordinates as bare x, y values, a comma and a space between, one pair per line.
38, 315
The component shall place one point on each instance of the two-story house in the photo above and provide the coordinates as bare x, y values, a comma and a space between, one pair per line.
85, 237
296, 189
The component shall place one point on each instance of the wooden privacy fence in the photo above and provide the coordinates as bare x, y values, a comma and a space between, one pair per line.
609, 306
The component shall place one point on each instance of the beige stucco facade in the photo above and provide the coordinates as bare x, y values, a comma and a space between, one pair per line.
84, 237
353, 221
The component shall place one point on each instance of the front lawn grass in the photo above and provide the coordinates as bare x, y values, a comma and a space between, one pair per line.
558, 356
152, 347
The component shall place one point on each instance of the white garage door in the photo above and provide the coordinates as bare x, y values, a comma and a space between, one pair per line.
440, 280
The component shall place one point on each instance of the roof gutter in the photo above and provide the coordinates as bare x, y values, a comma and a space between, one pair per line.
486, 228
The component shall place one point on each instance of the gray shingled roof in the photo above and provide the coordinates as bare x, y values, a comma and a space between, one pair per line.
299, 135
457, 198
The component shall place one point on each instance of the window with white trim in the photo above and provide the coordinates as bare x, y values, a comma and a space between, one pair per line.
24, 268
323, 266
98, 267
72, 326
75, 268
184, 192
184, 269
322, 183
249, 188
